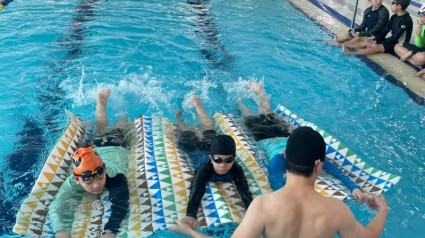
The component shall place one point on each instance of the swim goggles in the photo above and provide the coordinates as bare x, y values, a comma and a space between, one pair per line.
89, 175
421, 13
220, 160
394, 3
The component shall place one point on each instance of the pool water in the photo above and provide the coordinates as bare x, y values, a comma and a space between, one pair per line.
155, 54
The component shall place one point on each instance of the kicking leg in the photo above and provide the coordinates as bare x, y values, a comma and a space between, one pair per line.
264, 104
122, 124
203, 116
244, 109
101, 115
181, 126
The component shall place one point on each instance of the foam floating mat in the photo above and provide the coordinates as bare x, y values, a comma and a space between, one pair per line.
159, 176
325, 184
370, 179
365, 176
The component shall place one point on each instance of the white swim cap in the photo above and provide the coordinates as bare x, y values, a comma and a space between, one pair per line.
422, 10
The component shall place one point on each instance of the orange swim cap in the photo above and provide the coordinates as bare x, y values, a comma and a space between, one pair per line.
86, 159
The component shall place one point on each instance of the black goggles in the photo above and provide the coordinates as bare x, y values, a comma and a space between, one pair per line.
220, 160
421, 13
394, 3
88, 175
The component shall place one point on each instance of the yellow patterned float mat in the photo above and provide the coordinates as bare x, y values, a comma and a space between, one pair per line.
159, 177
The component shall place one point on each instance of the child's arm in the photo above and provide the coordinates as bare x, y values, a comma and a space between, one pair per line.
337, 173
420, 38
387, 28
64, 203
380, 25
362, 26
277, 168
118, 192
241, 184
197, 189
405, 26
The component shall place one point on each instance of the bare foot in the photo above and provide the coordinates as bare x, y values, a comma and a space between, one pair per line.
256, 87
103, 95
239, 102
179, 114
195, 101
326, 42
123, 123
336, 41
421, 76
345, 50
421, 73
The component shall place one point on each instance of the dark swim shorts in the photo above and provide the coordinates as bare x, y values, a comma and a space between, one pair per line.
189, 141
389, 47
115, 137
264, 126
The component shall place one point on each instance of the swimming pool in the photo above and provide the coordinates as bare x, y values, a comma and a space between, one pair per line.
56, 55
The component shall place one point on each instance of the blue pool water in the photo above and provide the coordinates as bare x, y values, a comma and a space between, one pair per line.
154, 54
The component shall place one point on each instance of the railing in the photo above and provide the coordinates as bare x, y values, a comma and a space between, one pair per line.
354, 15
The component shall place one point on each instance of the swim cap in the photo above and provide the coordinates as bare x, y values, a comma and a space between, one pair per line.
422, 10
305, 146
86, 159
223, 145
403, 3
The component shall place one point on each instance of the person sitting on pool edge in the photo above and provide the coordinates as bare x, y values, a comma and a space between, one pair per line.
400, 25
374, 20
102, 165
271, 133
220, 165
414, 53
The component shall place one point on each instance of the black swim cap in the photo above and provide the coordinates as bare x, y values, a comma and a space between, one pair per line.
223, 145
403, 3
305, 146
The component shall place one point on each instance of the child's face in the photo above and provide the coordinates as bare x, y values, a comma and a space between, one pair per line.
395, 7
376, 3
94, 185
422, 18
219, 163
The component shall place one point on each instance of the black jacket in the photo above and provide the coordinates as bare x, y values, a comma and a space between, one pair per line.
206, 173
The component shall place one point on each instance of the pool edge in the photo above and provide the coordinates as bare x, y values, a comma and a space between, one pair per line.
385, 65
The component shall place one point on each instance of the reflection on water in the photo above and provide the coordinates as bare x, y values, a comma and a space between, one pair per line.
31, 143
212, 49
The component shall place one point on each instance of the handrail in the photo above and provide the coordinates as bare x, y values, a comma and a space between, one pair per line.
354, 15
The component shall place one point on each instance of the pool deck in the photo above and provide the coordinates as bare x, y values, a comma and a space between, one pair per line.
336, 16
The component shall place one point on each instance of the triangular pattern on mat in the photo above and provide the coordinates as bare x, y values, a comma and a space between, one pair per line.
367, 177
31, 217
231, 126
256, 177
159, 176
